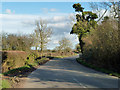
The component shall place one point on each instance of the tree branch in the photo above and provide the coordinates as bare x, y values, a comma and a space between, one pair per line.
102, 15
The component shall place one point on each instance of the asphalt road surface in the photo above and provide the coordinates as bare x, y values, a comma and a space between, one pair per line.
67, 73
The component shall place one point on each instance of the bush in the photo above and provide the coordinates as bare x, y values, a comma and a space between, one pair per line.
77, 47
102, 46
31, 58
67, 50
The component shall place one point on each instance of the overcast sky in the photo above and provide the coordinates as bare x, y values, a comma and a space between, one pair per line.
20, 17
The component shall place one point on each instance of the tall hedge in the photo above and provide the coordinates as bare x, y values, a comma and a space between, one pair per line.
102, 46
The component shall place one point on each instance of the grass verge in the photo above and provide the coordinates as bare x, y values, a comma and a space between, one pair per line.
97, 68
18, 71
64, 56
5, 84
21, 71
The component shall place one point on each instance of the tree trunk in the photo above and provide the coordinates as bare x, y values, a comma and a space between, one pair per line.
41, 44
36, 48
41, 50
81, 43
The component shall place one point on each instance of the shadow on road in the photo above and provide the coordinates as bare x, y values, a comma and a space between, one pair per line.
68, 70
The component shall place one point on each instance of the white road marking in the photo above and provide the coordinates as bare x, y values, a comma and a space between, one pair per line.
79, 83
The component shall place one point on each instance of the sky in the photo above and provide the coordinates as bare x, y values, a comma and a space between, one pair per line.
39, 7
20, 17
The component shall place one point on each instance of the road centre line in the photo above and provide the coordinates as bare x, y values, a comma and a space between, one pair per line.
79, 83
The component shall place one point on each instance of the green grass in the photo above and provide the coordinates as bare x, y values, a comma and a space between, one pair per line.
42, 60
25, 68
5, 84
97, 68
58, 57
34, 64
63, 56
17, 70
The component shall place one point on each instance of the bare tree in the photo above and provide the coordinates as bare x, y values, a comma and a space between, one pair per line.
107, 6
64, 44
42, 34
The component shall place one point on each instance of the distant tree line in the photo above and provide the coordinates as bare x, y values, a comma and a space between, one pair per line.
16, 42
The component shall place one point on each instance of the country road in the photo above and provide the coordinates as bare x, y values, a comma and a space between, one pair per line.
67, 73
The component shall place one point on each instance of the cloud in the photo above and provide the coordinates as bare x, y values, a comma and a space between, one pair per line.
46, 10
8, 11
58, 25
53, 9
25, 24
59, 18
55, 41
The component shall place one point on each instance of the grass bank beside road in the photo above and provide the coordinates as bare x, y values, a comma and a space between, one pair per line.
13, 77
83, 62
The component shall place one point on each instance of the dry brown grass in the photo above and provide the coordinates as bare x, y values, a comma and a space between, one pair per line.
13, 59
